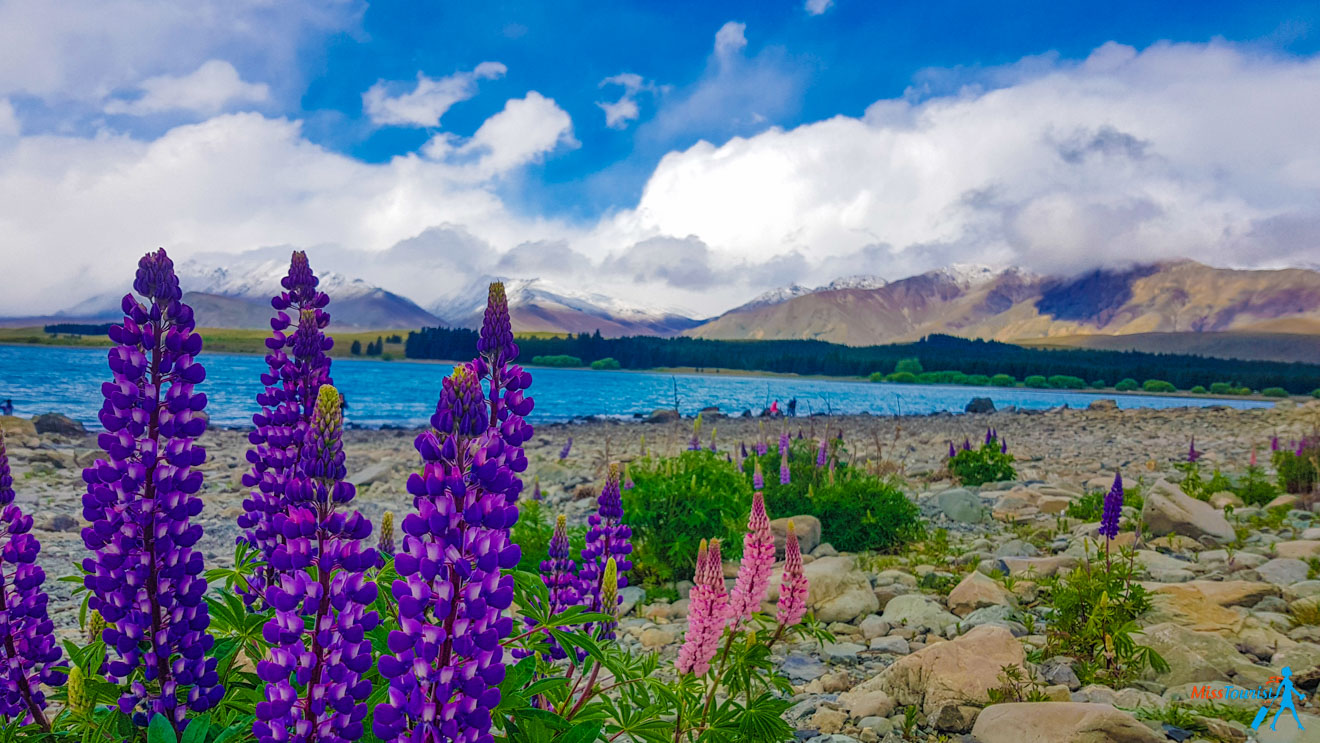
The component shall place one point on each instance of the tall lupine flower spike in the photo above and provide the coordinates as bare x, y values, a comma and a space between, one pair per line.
694, 444
821, 453
707, 611
607, 537
783, 442
627, 478
967, 445
761, 446
297, 366
568, 447
558, 573
144, 575
385, 542
793, 587
1274, 443
714, 432
1003, 446
445, 662
28, 653
785, 475
988, 437
1113, 508
315, 691
758, 560
742, 445
952, 453
536, 488
758, 479
1192, 453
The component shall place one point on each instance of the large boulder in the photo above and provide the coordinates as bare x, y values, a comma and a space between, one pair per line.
980, 405
15, 427
976, 591
664, 415
58, 423
806, 527
949, 681
961, 505
1169, 510
1060, 722
1200, 657
1299, 549
1283, 571
1220, 592
915, 611
839, 591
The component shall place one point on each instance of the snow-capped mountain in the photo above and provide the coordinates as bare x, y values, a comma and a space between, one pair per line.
539, 306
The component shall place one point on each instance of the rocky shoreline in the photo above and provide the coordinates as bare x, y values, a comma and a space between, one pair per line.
1225, 603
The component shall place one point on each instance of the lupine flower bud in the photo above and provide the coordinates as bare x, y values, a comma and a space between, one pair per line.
952, 453
1113, 508
144, 575
758, 479
95, 626
761, 446
707, 612
1003, 446
627, 479
385, 544
820, 454
785, 476
1192, 453
79, 700
758, 560
783, 442
695, 443
609, 595
967, 445
742, 449
297, 367
568, 447
607, 537
322, 455
536, 488
793, 587
1274, 443
714, 431
28, 653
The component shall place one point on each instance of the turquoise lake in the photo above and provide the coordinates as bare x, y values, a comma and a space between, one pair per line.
402, 393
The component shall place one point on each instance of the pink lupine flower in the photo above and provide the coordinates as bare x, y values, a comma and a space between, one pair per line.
707, 612
758, 560
793, 588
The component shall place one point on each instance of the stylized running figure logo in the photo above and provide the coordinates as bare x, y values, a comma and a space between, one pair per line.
1286, 692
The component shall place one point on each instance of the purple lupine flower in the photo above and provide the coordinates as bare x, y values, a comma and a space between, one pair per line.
1274, 443
559, 573
443, 686
607, 536
536, 489
568, 447
761, 446
28, 653
297, 366
1113, 508
821, 454
783, 442
952, 453
799, 434
785, 477
144, 576
967, 445
840, 436
315, 689
989, 436
714, 431
743, 446
1003, 446
758, 479
1192, 453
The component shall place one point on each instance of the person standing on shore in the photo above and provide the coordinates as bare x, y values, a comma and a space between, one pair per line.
7, 408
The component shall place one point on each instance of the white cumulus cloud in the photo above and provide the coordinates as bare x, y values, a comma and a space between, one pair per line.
618, 114
818, 7
207, 90
428, 101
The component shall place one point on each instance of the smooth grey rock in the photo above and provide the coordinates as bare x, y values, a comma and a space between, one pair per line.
980, 405
962, 506
800, 667
1283, 571
891, 644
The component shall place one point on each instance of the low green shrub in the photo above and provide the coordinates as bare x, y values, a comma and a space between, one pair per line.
1003, 380
1098, 384
607, 363
1198, 390
1297, 468
1221, 388
563, 360
1255, 488
911, 366
1274, 392
982, 464
942, 377
1127, 384
977, 380
1158, 385
1036, 381
1066, 382
1316, 393
676, 502
901, 378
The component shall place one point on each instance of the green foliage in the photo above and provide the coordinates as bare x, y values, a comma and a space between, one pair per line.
1316, 393
977, 380
1198, 390
983, 464
605, 363
857, 511
1092, 505
1158, 385
675, 503
1297, 472
942, 377
1255, 487
532, 533
1003, 380
1224, 388
1098, 384
901, 378
1274, 392
1066, 382
1127, 384
1017, 686
1036, 381
563, 360
909, 365
1095, 612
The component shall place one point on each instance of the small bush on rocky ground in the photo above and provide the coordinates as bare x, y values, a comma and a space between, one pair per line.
1158, 385
1090, 506
675, 502
1254, 487
1093, 618
987, 463
1017, 686
1274, 392
1297, 467
1126, 385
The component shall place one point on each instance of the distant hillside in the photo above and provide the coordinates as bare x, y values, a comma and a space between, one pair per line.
1175, 298
1230, 345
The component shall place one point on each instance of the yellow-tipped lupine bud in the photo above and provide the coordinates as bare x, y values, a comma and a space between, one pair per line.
95, 626
386, 543
609, 587
79, 700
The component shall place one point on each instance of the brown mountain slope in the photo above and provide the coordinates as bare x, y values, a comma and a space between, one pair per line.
1178, 297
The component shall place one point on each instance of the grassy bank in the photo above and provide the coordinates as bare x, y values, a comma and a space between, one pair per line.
218, 340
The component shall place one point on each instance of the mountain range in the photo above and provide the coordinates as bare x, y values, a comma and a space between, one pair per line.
1181, 306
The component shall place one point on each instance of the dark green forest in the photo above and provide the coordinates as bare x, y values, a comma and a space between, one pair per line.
936, 353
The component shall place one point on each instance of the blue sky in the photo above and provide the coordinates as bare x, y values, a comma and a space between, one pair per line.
682, 154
